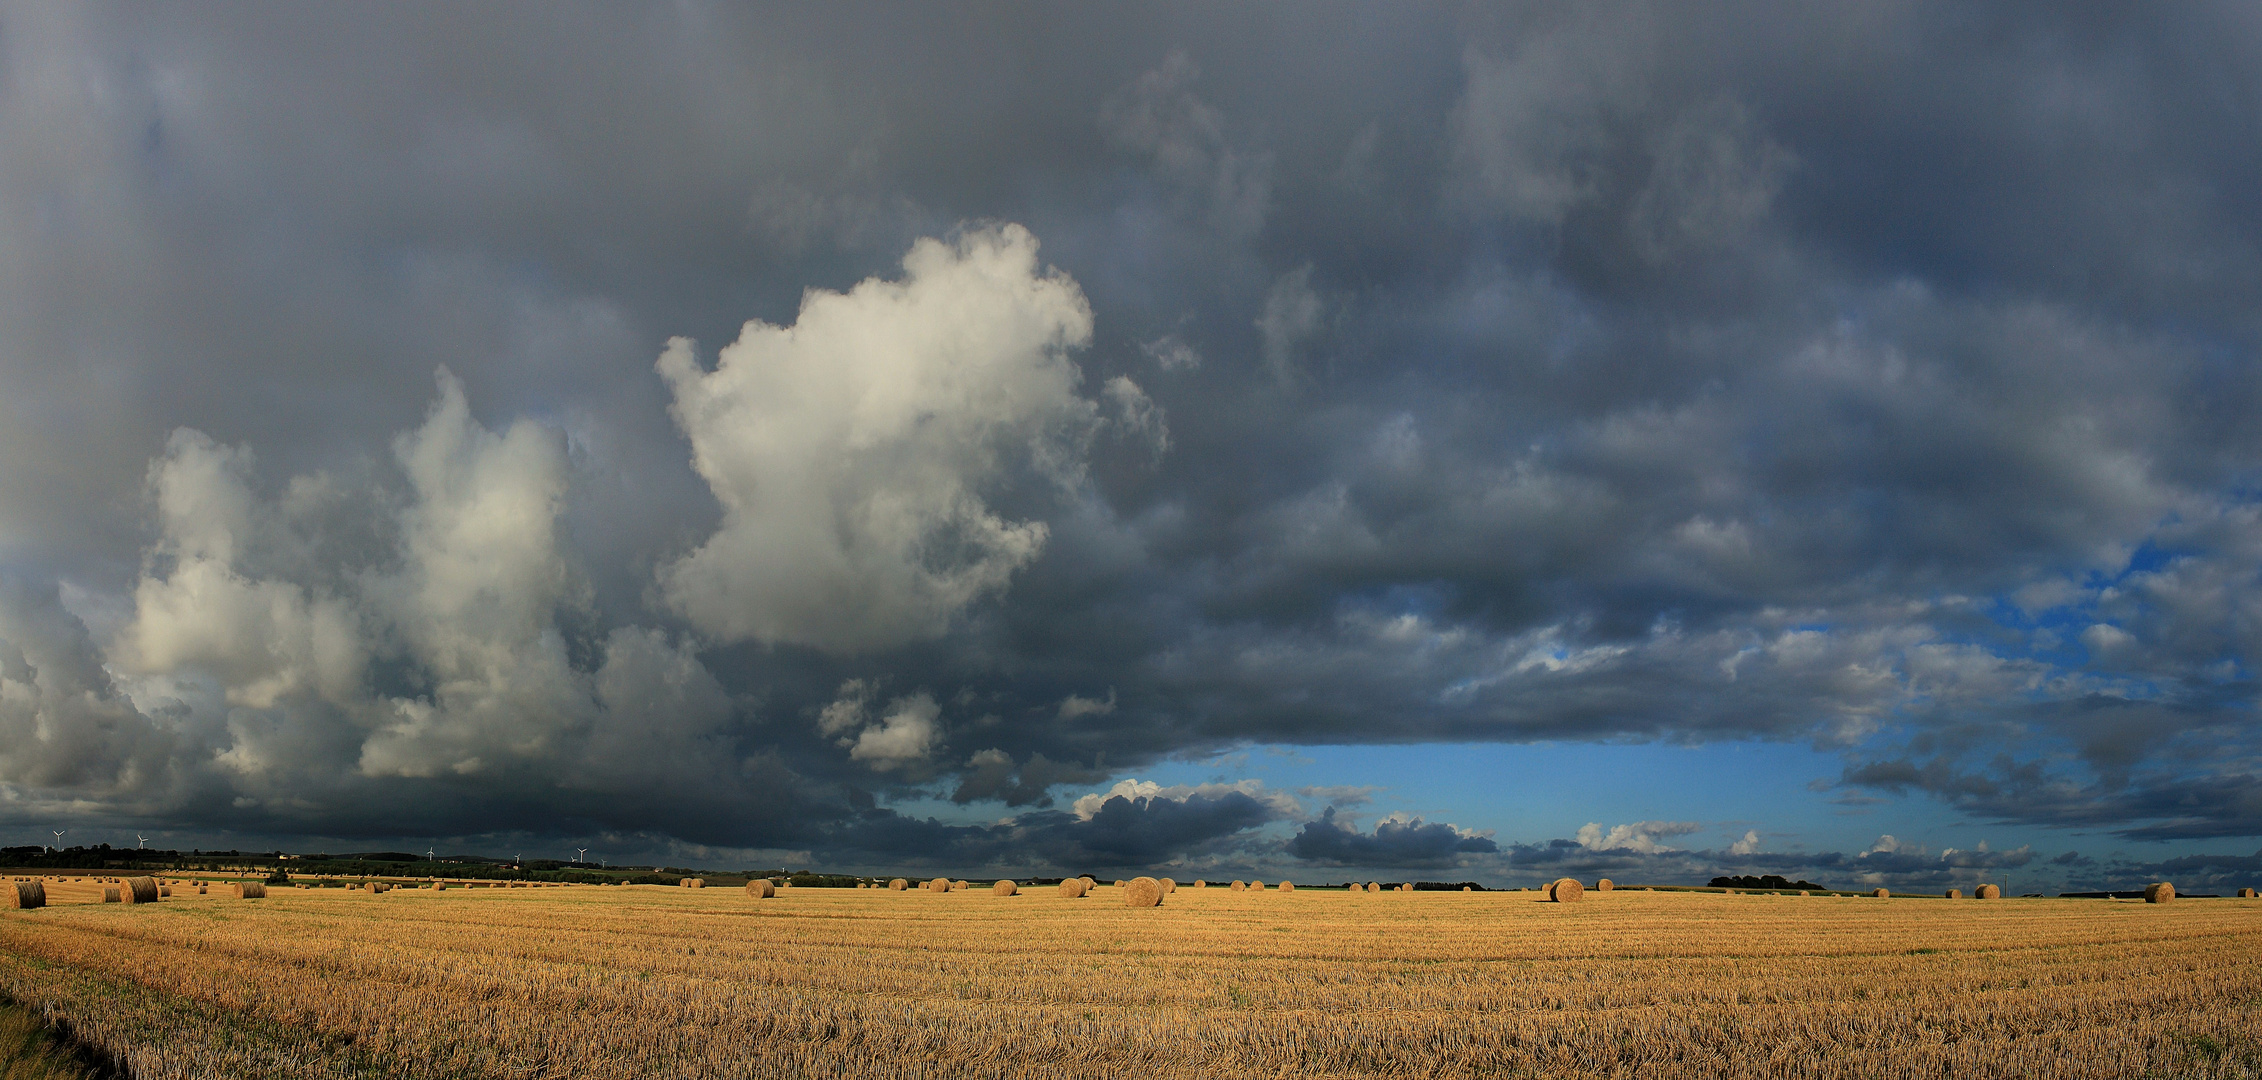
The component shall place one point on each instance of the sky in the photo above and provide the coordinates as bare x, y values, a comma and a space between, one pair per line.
1330, 441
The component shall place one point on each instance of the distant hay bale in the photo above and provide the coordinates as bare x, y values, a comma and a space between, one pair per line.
941, 884
2246, 894
200, 890
2159, 892
1287, 886
1605, 885
1005, 888
1169, 886
1566, 891
1374, 886
110, 894
250, 890
1072, 888
164, 890
1989, 892
1256, 886
899, 884
1405, 886
1143, 892
1882, 893
689, 883
1239, 886
1200, 884
761, 888
1465, 888
27, 894
958, 886
138, 890
1955, 894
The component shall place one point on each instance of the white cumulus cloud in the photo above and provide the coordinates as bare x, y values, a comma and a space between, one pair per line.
853, 452
1640, 836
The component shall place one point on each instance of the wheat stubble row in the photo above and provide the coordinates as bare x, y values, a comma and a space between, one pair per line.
710, 983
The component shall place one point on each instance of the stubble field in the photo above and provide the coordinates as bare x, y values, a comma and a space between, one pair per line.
654, 981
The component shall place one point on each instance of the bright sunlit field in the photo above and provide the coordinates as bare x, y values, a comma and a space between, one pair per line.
656, 981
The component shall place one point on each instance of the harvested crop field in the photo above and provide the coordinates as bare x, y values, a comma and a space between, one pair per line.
658, 981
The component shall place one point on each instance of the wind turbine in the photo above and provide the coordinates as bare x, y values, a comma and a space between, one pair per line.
140, 841
581, 854
428, 855
59, 839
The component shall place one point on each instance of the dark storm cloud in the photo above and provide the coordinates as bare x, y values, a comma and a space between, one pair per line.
1119, 833
1874, 375
1633, 854
1411, 843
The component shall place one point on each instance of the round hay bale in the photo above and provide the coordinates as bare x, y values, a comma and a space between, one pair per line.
1169, 886
1605, 885
200, 890
2246, 894
109, 894
940, 884
1239, 886
27, 894
1200, 884
1287, 886
164, 890
250, 890
958, 886
2159, 892
899, 884
1072, 888
1374, 886
138, 890
696, 883
1882, 893
1989, 892
1143, 892
761, 888
1955, 894
1005, 888
1566, 891
1089, 882
1465, 888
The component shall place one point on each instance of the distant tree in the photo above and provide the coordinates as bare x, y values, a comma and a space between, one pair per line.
1767, 881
